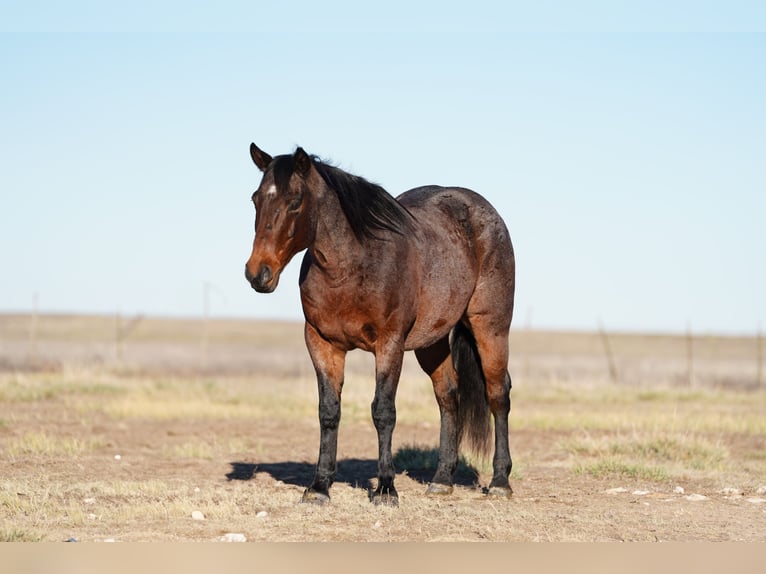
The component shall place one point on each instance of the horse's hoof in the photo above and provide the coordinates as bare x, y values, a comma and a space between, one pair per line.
314, 497
437, 489
385, 499
499, 492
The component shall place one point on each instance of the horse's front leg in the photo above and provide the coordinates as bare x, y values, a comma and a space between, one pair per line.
388, 367
329, 364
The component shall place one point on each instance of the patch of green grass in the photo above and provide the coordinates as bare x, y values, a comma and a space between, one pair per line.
646, 455
684, 450
695, 453
616, 468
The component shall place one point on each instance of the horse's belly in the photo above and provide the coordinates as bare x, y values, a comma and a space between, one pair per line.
442, 302
429, 332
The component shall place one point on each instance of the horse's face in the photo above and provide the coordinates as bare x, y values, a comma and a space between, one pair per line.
282, 224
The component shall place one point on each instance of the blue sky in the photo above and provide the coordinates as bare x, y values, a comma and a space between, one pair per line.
625, 152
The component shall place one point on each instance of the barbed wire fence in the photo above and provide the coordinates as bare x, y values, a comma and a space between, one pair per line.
687, 358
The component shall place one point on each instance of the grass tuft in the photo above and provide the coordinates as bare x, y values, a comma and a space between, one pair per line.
193, 450
615, 468
672, 453
42, 444
19, 535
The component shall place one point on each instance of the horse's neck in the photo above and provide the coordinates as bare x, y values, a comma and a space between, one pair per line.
335, 247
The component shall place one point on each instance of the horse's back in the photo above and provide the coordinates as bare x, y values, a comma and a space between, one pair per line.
461, 210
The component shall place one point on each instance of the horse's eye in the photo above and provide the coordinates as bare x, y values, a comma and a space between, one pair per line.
295, 203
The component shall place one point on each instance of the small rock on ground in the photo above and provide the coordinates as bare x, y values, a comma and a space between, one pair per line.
696, 497
262, 514
197, 515
233, 537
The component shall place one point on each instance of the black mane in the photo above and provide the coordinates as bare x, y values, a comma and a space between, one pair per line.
368, 207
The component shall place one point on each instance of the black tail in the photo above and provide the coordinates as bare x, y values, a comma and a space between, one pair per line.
473, 418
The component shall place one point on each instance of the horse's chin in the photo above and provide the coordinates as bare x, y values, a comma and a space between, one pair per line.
266, 288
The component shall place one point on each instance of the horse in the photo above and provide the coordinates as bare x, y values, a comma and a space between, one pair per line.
431, 271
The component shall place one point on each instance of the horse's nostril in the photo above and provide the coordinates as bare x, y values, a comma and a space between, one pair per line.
264, 275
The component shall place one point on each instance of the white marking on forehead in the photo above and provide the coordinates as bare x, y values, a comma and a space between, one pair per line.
272, 190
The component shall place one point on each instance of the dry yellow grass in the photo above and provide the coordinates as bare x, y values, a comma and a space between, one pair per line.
180, 434
42, 444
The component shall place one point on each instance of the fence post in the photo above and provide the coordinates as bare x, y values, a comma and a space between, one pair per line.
689, 355
33, 324
759, 356
205, 315
117, 339
608, 353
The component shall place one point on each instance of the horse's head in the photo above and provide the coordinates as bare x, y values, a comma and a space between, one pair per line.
283, 226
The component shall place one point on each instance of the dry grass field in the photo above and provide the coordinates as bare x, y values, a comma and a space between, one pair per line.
112, 430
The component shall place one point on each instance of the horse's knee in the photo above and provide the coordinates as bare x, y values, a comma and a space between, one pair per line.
383, 412
500, 404
329, 411
499, 396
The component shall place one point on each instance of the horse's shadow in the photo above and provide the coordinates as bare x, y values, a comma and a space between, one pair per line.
418, 463
355, 472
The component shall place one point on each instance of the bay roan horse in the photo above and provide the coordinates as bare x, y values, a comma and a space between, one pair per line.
431, 271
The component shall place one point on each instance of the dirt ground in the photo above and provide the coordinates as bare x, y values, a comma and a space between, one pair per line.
101, 443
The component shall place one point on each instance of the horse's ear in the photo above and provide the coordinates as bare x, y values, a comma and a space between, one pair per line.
302, 162
260, 157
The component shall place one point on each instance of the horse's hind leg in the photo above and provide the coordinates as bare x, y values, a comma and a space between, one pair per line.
436, 361
491, 334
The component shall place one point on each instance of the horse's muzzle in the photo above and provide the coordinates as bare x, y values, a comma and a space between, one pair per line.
264, 281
